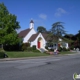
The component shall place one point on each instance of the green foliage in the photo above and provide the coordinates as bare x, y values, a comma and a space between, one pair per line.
78, 37
2, 54
25, 54
64, 49
58, 29
15, 47
36, 50
41, 29
29, 49
68, 49
8, 26
60, 49
72, 47
68, 40
25, 46
46, 47
2, 50
34, 47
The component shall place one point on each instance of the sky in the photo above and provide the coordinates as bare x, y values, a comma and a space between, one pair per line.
45, 13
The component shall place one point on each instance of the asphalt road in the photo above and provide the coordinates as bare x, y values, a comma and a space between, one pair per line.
44, 68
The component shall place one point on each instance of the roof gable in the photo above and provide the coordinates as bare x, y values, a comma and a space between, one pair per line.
33, 37
23, 33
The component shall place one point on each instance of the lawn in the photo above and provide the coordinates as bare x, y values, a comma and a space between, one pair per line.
25, 54
31, 54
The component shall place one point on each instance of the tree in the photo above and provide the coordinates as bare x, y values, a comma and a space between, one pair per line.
56, 33
8, 26
70, 38
41, 29
78, 39
57, 30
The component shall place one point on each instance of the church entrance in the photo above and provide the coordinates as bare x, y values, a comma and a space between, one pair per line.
40, 42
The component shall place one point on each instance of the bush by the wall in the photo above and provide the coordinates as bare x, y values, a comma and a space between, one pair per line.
29, 49
46, 47
72, 47
68, 49
34, 47
60, 49
25, 46
36, 50
64, 49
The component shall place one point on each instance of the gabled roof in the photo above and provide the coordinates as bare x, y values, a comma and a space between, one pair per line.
46, 36
23, 33
33, 37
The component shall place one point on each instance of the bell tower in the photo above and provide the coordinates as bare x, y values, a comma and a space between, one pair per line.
31, 24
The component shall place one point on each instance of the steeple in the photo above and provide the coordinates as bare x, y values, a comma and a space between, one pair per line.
31, 24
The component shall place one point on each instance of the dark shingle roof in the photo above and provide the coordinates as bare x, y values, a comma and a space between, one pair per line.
33, 37
46, 36
23, 33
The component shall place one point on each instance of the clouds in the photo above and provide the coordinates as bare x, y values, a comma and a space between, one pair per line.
59, 12
43, 16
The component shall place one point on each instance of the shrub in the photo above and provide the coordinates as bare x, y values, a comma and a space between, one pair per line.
34, 47
60, 49
29, 49
64, 49
25, 46
2, 54
1, 50
68, 49
72, 47
46, 47
36, 50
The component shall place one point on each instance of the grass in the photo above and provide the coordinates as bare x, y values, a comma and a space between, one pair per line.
25, 54
31, 54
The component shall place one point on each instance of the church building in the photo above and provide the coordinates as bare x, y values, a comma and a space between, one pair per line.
31, 36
